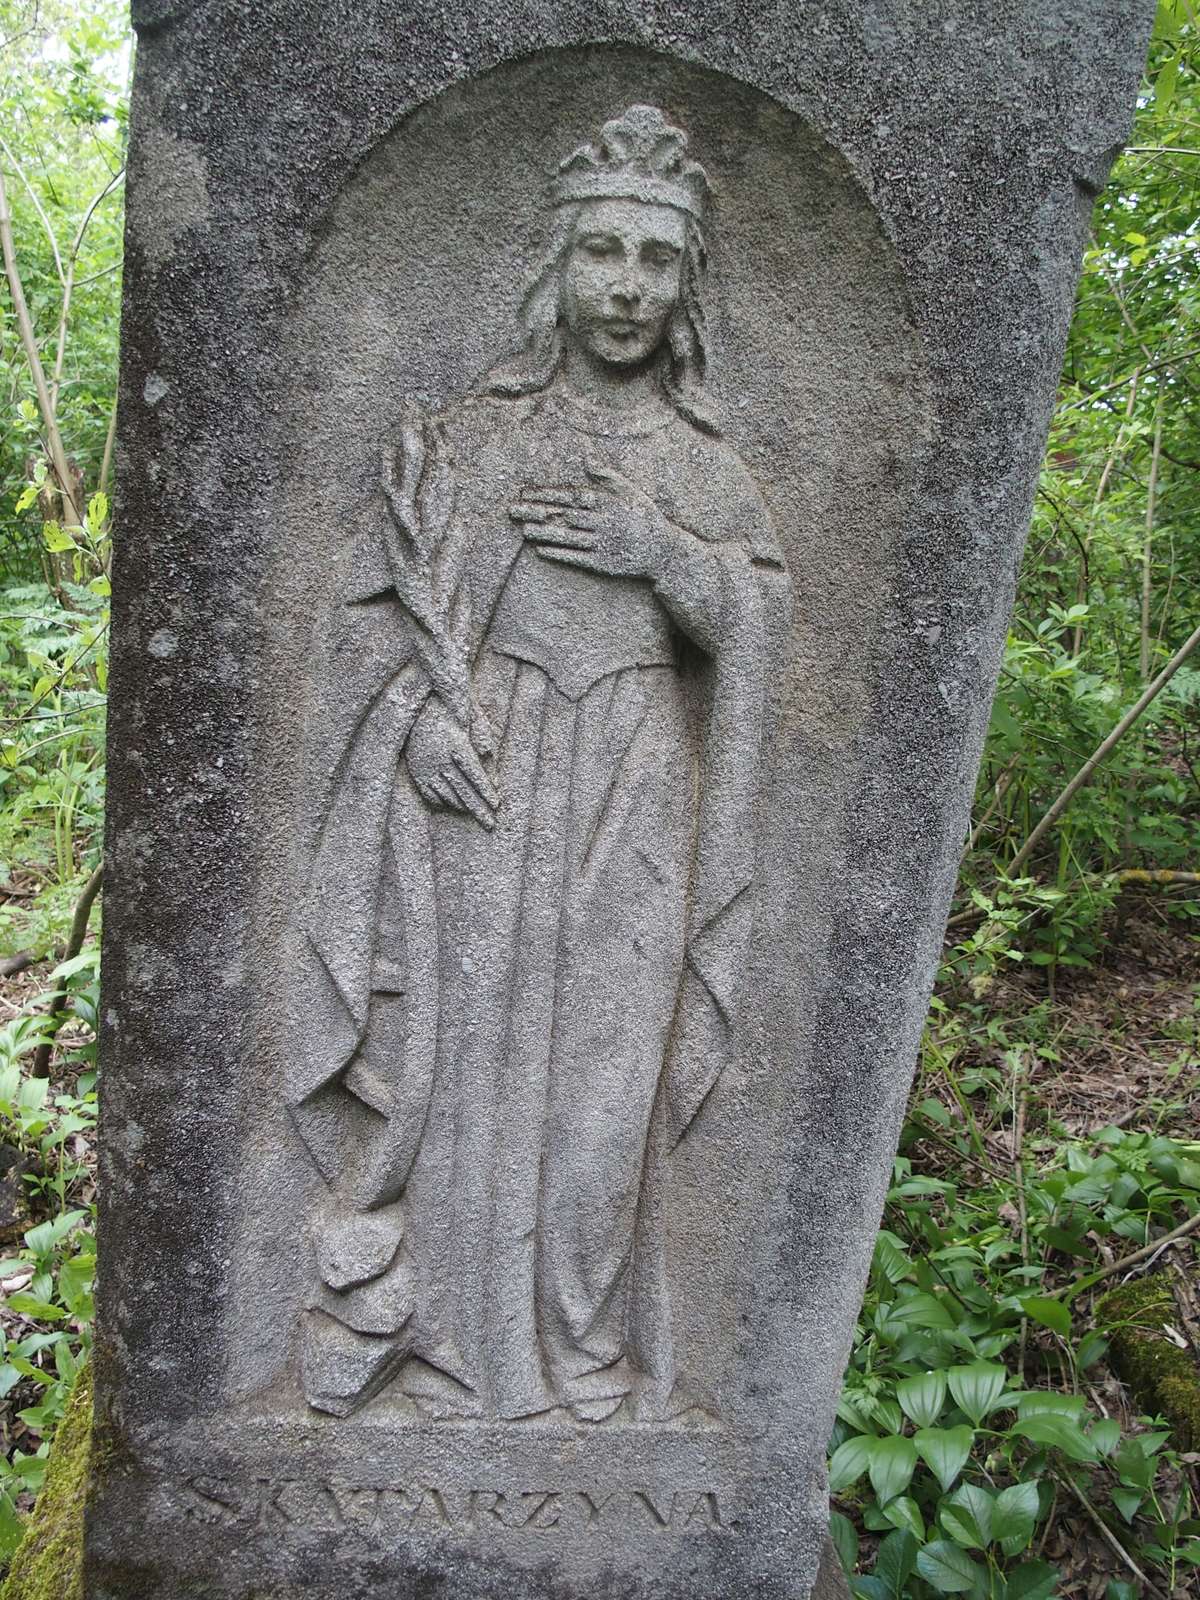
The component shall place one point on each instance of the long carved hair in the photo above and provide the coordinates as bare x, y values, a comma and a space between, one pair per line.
683, 358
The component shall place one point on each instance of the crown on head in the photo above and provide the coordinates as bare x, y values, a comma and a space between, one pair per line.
638, 156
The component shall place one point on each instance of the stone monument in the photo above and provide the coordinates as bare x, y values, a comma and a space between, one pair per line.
573, 468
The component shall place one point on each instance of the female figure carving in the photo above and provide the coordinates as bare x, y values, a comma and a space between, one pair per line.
531, 900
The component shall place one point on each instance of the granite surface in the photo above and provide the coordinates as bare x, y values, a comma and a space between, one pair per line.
764, 613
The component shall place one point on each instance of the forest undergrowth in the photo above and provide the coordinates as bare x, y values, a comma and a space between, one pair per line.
1021, 1411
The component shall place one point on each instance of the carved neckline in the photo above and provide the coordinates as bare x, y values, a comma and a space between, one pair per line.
605, 423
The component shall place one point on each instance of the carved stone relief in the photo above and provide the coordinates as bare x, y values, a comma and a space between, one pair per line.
529, 912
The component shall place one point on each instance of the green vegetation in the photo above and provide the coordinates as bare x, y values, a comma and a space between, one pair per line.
49, 1564
1020, 1411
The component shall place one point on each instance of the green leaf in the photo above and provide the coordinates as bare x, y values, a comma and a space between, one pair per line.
1059, 1432
12, 1528
946, 1568
848, 1462
896, 1561
1014, 1517
871, 1588
945, 1451
40, 1310
46, 1235
1032, 1580
97, 510
1049, 1312
966, 1516
891, 1463
903, 1512
891, 1259
1091, 1347
1039, 1402
922, 1398
56, 540
845, 1540
1106, 1435
1164, 92
977, 1388
922, 1311
1126, 1500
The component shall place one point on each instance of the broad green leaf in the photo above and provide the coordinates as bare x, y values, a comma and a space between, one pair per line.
891, 1463
12, 1528
47, 1234
871, 1588
1126, 1500
891, 1260
1164, 92
1106, 1435
1040, 1402
852, 1410
944, 1451
1014, 1517
848, 1462
1091, 1347
885, 1413
966, 1516
1032, 1580
922, 1398
1049, 1312
1059, 1432
922, 1311
896, 1561
97, 510
946, 1568
57, 540
40, 1310
845, 1540
977, 1388
903, 1512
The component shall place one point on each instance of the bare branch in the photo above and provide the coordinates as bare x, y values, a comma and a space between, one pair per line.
54, 443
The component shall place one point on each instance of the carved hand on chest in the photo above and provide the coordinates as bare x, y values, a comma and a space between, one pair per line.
610, 526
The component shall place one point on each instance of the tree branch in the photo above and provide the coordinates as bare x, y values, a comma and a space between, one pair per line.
54, 444
1100, 754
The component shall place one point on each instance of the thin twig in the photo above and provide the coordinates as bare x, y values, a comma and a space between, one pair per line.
54, 443
79, 928
1147, 1250
69, 283
1131, 377
1148, 539
1106, 1533
1082, 587
109, 440
37, 205
1020, 1100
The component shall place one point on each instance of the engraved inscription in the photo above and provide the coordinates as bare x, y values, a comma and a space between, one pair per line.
529, 910
378, 1514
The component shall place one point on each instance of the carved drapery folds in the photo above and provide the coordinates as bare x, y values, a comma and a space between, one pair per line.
530, 908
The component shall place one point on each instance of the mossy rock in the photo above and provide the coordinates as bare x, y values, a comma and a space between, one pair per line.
1165, 1380
48, 1564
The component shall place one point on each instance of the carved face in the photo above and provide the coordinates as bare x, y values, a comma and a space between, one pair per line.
621, 280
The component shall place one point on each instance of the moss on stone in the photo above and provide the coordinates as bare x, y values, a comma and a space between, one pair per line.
48, 1564
1165, 1380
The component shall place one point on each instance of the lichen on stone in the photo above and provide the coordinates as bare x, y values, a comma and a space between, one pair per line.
48, 1564
1165, 1380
